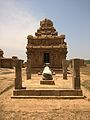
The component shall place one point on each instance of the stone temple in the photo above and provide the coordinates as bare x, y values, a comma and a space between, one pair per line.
46, 47
46, 53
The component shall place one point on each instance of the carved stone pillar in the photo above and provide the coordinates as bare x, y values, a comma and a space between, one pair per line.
41, 58
76, 73
28, 69
64, 65
55, 58
18, 74
51, 58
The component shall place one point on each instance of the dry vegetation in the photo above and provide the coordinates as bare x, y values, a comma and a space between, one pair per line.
42, 109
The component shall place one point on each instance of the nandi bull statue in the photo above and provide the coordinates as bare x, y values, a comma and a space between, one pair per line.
47, 74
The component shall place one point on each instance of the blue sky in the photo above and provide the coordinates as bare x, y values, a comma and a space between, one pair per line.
18, 18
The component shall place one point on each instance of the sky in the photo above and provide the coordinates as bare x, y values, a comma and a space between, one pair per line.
19, 18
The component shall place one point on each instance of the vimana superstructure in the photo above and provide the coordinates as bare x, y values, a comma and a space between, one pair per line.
46, 47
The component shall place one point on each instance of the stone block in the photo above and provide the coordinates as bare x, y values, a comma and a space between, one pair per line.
47, 82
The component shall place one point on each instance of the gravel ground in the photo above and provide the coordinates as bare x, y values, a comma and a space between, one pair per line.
40, 109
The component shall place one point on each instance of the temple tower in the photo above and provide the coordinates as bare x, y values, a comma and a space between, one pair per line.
46, 47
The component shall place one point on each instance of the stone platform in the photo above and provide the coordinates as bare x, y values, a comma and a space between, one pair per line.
61, 90
48, 93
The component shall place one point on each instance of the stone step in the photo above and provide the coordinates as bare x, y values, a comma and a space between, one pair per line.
48, 97
47, 92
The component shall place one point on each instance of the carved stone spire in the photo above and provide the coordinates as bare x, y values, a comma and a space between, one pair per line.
46, 28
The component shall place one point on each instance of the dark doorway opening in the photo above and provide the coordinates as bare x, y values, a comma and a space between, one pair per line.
46, 58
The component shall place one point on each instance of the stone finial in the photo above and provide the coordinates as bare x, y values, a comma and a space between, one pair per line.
46, 22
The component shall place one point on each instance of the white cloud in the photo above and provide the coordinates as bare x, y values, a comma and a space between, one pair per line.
15, 24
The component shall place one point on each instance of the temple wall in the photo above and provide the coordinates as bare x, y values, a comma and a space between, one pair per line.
6, 63
37, 57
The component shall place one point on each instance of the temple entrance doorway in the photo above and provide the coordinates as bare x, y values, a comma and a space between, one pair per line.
46, 58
